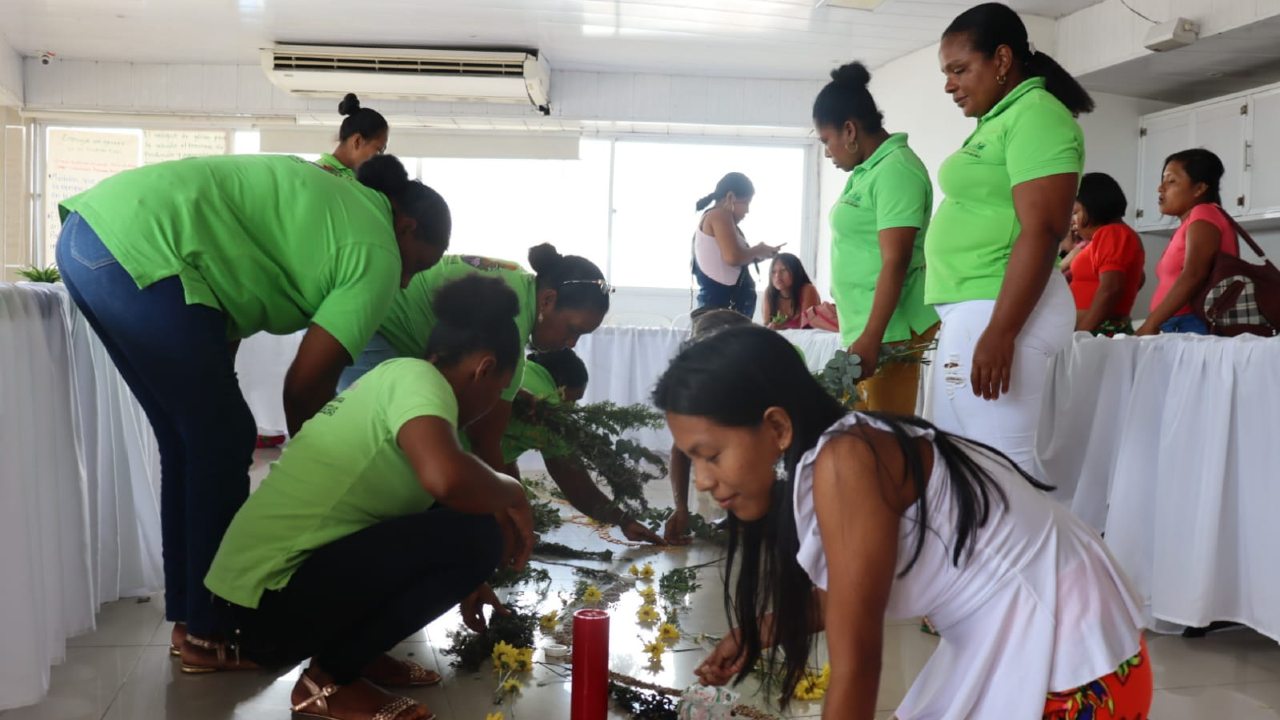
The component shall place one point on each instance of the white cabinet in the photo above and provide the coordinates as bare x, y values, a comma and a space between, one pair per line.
1221, 128
1161, 136
1263, 154
1243, 130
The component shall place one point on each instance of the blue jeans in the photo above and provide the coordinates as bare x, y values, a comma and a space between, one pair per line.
740, 297
1188, 323
180, 366
376, 352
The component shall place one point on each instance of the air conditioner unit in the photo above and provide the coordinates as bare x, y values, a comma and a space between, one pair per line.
444, 75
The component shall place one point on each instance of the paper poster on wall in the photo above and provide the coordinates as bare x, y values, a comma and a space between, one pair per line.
164, 145
75, 161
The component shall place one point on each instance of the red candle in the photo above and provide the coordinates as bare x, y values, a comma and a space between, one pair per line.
590, 696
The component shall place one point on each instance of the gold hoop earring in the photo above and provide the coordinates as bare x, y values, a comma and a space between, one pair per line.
853, 149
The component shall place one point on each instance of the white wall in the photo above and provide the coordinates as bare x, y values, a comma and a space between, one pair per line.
10, 75
577, 96
1108, 33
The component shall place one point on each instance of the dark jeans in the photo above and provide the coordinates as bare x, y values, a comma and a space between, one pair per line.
177, 361
740, 297
355, 598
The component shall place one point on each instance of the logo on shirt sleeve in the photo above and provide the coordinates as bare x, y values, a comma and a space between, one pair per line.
488, 264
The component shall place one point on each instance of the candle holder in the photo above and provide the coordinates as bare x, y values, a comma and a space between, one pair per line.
590, 683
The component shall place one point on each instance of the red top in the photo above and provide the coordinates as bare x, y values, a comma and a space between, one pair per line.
1114, 248
1175, 255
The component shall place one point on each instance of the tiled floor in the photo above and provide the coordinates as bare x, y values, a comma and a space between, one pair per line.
123, 670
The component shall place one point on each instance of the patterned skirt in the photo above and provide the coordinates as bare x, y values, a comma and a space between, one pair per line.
1123, 695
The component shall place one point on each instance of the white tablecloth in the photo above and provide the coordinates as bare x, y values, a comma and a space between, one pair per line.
79, 486
1170, 446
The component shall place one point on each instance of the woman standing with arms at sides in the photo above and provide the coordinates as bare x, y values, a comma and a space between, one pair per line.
172, 264
877, 237
330, 558
879, 516
1189, 191
992, 244
720, 251
1106, 264
564, 298
363, 135
790, 295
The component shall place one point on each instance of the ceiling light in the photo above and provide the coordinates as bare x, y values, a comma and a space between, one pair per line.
852, 4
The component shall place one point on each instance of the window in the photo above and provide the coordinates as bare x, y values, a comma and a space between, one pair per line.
655, 187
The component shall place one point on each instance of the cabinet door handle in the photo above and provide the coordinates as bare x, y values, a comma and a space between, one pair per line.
1248, 155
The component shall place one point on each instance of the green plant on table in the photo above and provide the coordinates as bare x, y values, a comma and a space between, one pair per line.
48, 274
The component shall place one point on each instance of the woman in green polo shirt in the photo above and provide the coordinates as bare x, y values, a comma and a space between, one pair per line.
564, 298
331, 558
991, 246
877, 238
553, 378
172, 264
363, 136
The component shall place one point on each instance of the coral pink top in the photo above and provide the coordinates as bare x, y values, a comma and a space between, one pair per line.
1175, 255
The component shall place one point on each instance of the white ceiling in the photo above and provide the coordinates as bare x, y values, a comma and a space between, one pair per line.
750, 38
1236, 60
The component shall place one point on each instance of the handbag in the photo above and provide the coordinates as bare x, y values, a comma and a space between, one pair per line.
821, 317
1239, 296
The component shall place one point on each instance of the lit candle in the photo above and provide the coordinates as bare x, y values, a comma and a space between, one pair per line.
590, 696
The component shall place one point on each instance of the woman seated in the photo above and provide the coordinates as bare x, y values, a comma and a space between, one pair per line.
790, 295
880, 515
553, 378
1190, 191
1105, 268
331, 557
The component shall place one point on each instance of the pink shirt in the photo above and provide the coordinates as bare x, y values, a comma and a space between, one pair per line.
1175, 255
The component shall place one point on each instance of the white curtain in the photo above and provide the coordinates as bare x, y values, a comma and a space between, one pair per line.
1168, 444
79, 510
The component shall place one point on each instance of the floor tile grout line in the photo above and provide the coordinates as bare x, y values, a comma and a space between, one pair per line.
120, 688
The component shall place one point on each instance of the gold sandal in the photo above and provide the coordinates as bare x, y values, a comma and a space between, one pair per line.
320, 698
419, 676
175, 648
221, 661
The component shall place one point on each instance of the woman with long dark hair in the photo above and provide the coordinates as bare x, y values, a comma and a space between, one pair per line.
877, 238
877, 515
790, 294
991, 245
1190, 191
720, 250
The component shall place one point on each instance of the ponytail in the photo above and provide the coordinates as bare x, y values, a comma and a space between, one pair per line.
735, 182
578, 282
991, 25
368, 124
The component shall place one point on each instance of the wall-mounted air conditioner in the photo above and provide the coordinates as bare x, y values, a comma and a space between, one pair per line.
489, 76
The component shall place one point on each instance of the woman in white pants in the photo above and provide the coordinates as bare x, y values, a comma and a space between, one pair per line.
990, 249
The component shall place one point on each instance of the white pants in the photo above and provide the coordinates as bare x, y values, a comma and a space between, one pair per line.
1009, 423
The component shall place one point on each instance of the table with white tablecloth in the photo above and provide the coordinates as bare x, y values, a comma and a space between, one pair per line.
79, 486
1171, 446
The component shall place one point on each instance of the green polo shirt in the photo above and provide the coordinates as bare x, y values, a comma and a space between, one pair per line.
273, 241
890, 189
521, 436
1028, 135
409, 321
335, 166
342, 473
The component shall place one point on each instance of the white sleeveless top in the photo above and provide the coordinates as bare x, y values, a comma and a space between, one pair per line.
1037, 603
707, 253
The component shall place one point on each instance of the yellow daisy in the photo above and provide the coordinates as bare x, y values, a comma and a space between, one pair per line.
592, 595
669, 633
649, 595
493, 716
548, 622
633, 570
655, 650
524, 659
646, 572
647, 614
512, 685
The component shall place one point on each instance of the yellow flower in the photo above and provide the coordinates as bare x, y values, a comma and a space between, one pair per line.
512, 685
493, 716
633, 571
669, 633
655, 650
504, 656
646, 572
647, 614
813, 686
548, 622
592, 595
649, 595
524, 659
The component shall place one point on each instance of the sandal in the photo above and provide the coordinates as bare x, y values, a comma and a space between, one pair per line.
207, 656
409, 674
176, 638
320, 699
